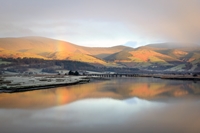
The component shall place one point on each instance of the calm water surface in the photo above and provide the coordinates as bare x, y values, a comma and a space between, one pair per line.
140, 105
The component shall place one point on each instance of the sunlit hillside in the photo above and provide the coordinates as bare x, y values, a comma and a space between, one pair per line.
167, 56
175, 53
84, 58
40, 47
145, 55
44, 46
103, 52
15, 54
140, 55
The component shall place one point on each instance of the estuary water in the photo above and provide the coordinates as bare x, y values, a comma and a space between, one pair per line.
135, 105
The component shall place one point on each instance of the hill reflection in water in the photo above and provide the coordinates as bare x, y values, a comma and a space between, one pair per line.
145, 88
106, 115
141, 105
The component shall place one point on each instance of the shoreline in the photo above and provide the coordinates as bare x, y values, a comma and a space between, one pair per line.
31, 88
21, 84
14, 84
178, 77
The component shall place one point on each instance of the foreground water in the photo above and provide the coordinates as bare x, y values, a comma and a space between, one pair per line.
140, 105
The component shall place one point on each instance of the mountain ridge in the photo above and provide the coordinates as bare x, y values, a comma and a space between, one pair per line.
149, 56
46, 48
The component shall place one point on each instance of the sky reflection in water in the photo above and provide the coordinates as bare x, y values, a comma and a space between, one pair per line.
107, 106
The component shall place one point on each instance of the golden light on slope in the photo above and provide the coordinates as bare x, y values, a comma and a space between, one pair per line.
44, 48
85, 58
195, 56
40, 47
180, 53
13, 54
145, 55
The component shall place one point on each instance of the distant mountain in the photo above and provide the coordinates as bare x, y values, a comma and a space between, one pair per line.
104, 52
157, 57
119, 56
166, 56
172, 45
140, 55
40, 47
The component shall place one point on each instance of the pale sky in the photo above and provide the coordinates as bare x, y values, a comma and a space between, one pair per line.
103, 23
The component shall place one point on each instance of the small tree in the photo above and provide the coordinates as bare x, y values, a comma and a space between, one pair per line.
71, 73
76, 73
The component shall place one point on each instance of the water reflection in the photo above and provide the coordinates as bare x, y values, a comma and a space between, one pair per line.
146, 88
107, 115
105, 106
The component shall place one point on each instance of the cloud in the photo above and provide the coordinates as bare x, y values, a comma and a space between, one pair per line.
10, 29
128, 20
